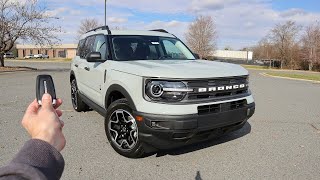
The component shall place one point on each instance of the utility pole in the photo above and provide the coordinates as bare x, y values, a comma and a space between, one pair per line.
105, 12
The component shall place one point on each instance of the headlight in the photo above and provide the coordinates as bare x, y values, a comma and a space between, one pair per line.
167, 91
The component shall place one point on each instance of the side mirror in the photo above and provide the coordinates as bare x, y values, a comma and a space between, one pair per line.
94, 57
196, 56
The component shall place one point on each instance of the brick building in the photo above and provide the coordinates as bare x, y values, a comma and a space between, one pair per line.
55, 51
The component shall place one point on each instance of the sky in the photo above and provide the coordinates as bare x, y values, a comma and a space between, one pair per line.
239, 23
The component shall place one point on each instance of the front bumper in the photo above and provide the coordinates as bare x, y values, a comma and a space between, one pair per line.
171, 131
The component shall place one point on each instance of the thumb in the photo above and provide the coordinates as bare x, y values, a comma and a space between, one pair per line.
46, 101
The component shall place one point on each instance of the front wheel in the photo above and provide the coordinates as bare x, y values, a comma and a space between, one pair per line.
122, 130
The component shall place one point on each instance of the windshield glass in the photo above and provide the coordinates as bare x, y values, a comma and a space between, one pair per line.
149, 48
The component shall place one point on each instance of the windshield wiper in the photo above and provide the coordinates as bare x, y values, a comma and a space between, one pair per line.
165, 57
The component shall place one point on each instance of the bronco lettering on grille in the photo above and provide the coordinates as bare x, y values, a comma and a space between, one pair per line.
222, 88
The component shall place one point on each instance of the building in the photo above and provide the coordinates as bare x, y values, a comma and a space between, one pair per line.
55, 51
233, 55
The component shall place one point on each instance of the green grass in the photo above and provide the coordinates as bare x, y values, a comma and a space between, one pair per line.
305, 76
254, 67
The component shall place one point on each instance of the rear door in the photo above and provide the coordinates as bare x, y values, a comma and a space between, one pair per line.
83, 69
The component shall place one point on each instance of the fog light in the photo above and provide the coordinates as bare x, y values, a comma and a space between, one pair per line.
248, 112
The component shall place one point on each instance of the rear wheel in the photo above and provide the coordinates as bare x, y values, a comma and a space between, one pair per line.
122, 130
77, 103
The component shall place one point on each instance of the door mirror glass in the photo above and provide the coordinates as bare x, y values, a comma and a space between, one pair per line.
94, 57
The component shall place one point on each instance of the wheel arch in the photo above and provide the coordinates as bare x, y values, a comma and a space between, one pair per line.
115, 89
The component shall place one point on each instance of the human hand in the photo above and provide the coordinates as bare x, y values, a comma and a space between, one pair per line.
43, 122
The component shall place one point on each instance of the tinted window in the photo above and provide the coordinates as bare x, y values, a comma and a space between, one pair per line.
88, 47
80, 47
149, 48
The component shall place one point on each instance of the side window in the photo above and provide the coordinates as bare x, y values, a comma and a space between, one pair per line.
80, 47
100, 45
173, 50
88, 47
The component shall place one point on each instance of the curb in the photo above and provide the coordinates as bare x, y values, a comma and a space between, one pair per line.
26, 69
40, 61
280, 77
283, 70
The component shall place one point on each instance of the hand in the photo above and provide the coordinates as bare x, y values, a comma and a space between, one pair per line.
42, 122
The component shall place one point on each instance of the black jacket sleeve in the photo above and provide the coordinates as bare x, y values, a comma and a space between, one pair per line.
36, 160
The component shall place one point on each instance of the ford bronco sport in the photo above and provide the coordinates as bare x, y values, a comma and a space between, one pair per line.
153, 92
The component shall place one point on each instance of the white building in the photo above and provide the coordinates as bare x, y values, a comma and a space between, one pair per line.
233, 55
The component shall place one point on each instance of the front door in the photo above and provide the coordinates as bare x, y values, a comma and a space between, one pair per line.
96, 71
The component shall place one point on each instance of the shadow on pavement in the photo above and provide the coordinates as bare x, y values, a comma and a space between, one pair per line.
54, 70
198, 176
202, 145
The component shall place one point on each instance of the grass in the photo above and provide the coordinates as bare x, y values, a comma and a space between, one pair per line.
305, 76
255, 67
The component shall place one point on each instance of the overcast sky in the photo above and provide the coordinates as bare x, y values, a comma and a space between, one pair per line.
240, 23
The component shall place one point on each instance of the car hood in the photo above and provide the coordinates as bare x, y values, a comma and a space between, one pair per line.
180, 68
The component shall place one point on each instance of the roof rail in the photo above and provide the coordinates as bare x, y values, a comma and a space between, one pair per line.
163, 31
160, 30
101, 28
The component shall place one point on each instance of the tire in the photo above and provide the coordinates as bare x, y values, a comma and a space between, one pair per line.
77, 103
128, 144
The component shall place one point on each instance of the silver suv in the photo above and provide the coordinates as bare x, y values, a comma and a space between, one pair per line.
154, 93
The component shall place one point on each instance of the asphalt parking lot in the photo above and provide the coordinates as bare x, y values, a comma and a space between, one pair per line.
281, 141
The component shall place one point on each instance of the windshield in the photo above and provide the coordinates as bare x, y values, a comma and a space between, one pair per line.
149, 48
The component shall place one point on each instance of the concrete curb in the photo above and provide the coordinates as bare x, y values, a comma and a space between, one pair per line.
284, 70
280, 77
40, 61
26, 69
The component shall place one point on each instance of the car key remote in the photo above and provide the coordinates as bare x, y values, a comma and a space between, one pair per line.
45, 85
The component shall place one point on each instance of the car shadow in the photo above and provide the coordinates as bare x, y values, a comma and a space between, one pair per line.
54, 70
246, 129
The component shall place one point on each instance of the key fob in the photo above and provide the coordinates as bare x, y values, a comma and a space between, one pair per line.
45, 85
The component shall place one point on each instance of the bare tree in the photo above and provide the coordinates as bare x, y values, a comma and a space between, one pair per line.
265, 50
86, 25
202, 35
27, 21
284, 38
311, 45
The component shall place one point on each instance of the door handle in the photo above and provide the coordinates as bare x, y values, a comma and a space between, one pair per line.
87, 68
76, 65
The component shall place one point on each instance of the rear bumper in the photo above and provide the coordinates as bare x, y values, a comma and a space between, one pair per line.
170, 131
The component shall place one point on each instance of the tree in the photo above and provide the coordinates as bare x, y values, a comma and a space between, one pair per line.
311, 45
27, 21
87, 25
201, 36
265, 50
284, 36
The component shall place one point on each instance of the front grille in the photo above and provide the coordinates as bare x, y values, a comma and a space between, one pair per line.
208, 89
216, 108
